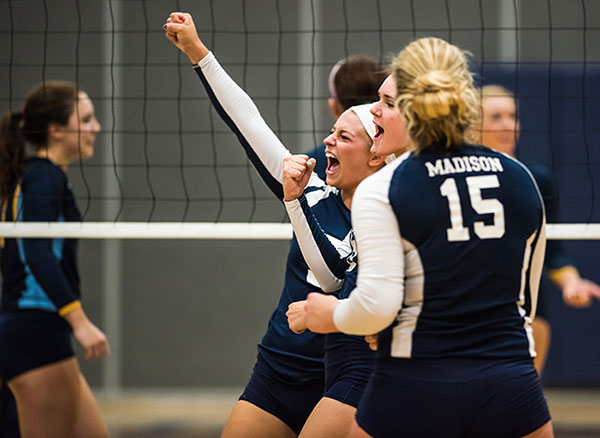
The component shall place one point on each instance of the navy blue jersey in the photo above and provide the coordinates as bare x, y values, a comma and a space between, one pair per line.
297, 357
40, 273
451, 250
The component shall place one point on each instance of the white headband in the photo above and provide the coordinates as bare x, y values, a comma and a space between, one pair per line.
366, 118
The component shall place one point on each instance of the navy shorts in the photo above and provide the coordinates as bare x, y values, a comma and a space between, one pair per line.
349, 363
9, 419
291, 402
468, 398
31, 339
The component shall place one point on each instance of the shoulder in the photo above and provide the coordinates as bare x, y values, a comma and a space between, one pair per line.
542, 174
378, 184
42, 175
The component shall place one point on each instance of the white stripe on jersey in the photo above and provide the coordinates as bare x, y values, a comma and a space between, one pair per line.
527, 319
319, 273
407, 319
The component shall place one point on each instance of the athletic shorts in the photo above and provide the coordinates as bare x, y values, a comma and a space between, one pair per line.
31, 339
348, 366
9, 420
291, 402
450, 398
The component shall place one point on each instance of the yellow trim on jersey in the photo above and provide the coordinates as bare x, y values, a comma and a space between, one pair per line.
4, 205
69, 307
14, 206
558, 274
16, 201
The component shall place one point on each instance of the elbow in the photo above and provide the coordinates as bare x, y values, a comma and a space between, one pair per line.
365, 316
367, 325
331, 285
330, 288
376, 323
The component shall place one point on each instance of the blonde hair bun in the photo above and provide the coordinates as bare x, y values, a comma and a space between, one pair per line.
436, 94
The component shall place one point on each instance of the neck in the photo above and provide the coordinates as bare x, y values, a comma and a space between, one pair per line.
347, 196
54, 156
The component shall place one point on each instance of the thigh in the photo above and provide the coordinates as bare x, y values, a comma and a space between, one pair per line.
357, 432
89, 421
329, 419
249, 421
48, 399
291, 402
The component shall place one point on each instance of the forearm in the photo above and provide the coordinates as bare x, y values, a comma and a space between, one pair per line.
564, 276
375, 302
242, 116
323, 259
46, 270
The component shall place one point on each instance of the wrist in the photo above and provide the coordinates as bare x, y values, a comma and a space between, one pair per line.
565, 276
197, 53
76, 318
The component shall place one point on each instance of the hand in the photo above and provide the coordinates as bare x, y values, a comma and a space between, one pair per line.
295, 315
319, 310
580, 292
372, 341
88, 335
181, 30
296, 173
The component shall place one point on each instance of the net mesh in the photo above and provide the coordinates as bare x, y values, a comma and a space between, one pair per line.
164, 158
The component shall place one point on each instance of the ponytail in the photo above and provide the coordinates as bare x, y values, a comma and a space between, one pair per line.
12, 150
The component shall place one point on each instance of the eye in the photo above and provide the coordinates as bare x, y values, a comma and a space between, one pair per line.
345, 137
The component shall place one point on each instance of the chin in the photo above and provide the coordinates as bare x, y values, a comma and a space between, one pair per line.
89, 153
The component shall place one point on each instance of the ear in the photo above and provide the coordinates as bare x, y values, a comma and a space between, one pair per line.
336, 108
55, 131
376, 161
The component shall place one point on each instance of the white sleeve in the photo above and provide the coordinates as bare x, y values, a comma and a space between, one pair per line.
375, 302
315, 247
245, 115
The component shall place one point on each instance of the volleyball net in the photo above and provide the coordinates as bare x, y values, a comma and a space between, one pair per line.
166, 166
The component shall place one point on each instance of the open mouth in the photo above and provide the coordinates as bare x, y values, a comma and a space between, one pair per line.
332, 164
378, 131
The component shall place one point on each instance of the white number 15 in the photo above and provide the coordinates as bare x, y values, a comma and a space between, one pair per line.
457, 232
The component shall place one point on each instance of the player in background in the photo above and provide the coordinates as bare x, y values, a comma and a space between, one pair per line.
41, 304
353, 80
499, 129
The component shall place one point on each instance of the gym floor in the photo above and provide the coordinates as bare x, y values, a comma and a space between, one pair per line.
202, 414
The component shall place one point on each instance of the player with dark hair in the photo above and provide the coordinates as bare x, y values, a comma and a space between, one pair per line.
41, 304
353, 80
